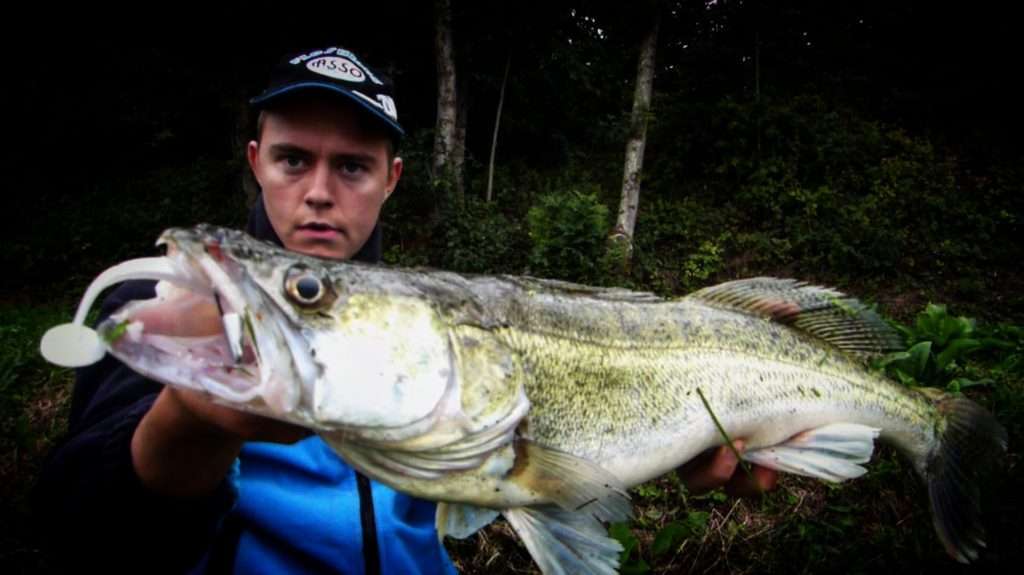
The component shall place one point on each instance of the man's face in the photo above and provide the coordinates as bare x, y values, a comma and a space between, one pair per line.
324, 175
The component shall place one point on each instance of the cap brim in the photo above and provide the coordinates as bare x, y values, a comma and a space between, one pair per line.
261, 100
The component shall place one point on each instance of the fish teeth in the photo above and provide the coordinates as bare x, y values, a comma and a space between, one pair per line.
233, 332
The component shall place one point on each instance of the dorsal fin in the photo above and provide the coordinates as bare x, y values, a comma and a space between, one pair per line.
825, 313
614, 294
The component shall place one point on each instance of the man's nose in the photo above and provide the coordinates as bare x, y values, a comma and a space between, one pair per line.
319, 195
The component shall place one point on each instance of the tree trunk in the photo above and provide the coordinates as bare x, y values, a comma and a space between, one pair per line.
444, 132
458, 158
497, 122
626, 222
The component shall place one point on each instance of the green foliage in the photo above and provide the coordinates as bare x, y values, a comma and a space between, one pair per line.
812, 185
666, 540
478, 238
673, 533
703, 263
1009, 340
21, 366
679, 245
33, 400
568, 233
630, 560
938, 346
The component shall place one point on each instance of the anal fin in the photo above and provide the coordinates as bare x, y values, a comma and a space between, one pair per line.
831, 452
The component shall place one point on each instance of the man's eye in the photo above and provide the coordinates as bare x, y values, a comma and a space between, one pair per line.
352, 167
293, 161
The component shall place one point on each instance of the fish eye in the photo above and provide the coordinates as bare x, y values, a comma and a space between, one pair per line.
305, 287
308, 288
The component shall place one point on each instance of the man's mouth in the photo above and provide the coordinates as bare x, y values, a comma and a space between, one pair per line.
319, 229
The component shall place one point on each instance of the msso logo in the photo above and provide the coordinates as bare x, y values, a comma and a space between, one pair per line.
337, 67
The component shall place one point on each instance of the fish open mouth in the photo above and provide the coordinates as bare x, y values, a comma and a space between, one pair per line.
206, 330
234, 319
182, 335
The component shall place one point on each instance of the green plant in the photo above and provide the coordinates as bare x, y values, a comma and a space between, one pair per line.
704, 262
568, 233
938, 345
630, 560
673, 533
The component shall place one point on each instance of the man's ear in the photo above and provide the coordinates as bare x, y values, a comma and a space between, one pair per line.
252, 153
393, 176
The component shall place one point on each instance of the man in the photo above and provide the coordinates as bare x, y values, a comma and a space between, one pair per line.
153, 478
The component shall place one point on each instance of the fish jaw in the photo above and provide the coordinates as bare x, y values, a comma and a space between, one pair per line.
248, 346
182, 337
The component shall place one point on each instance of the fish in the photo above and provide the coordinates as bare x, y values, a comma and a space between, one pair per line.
540, 400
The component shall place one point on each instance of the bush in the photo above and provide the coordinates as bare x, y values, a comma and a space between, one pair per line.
479, 238
568, 232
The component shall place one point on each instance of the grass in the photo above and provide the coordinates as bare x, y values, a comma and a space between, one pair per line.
34, 401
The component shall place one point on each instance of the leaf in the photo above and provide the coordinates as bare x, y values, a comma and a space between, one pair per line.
890, 358
961, 383
918, 360
957, 349
668, 538
621, 533
905, 379
697, 522
996, 343
906, 332
928, 322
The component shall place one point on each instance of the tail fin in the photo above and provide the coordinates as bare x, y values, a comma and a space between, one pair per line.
971, 443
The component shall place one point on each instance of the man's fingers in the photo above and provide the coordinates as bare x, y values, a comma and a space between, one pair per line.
247, 426
760, 480
711, 469
279, 432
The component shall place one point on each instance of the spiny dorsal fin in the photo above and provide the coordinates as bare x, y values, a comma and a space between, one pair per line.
613, 294
822, 312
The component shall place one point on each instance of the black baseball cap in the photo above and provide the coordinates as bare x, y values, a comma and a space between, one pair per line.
338, 70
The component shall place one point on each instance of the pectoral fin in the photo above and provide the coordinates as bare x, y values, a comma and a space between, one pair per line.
570, 482
832, 452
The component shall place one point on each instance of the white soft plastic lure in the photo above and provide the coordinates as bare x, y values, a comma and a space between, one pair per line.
76, 344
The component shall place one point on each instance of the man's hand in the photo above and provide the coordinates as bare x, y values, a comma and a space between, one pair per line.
185, 444
719, 466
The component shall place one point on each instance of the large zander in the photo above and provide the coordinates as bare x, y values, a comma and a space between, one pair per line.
540, 400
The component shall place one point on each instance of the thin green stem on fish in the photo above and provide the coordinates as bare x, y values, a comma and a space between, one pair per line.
728, 440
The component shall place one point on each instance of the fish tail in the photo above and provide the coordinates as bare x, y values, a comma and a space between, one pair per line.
969, 445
